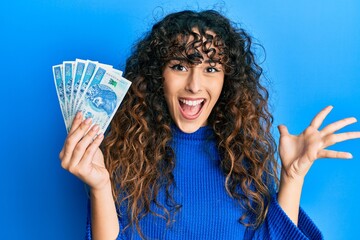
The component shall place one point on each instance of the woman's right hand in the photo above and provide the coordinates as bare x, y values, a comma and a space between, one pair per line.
82, 156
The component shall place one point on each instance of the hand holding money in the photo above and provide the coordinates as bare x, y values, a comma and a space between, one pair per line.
81, 154
89, 94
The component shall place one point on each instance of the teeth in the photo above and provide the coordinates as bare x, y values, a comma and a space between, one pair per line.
191, 103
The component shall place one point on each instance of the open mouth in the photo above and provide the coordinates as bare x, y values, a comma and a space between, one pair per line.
191, 109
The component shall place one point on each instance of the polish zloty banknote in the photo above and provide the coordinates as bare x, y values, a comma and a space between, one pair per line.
106, 66
68, 76
90, 68
58, 79
89, 71
79, 70
103, 96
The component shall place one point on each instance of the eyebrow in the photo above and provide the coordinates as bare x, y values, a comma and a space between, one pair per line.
186, 60
217, 61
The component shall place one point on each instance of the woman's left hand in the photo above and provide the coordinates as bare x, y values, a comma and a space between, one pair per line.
298, 153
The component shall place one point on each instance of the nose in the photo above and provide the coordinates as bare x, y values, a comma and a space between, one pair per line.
194, 80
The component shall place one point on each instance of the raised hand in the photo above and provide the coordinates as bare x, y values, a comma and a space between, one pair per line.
298, 153
81, 155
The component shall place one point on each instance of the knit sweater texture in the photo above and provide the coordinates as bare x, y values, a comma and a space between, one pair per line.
207, 211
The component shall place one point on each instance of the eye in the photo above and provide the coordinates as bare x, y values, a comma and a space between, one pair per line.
178, 67
212, 70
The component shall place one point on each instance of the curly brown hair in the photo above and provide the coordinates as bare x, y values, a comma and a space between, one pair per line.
137, 150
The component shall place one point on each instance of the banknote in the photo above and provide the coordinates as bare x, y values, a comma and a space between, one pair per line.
59, 85
83, 83
93, 88
68, 75
103, 96
89, 71
79, 70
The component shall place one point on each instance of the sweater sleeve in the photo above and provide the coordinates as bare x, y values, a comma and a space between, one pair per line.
279, 226
88, 222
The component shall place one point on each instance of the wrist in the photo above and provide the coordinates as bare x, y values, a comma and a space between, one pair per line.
286, 177
101, 190
289, 194
290, 187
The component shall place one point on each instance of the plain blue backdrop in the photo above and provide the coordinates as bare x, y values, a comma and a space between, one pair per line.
312, 60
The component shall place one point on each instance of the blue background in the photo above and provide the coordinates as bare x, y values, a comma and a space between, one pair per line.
312, 60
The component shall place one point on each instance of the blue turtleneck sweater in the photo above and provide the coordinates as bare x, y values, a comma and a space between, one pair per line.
207, 211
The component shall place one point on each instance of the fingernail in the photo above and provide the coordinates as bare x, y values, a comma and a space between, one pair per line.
78, 115
95, 128
100, 136
349, 155
88, 120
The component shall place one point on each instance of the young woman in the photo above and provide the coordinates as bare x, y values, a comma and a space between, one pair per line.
189, 154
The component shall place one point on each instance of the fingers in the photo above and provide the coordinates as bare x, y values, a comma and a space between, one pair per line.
83, 144
319, 118
91, 150
72, 140
77, 121
333, 154
331, 128
335, 138
283, 130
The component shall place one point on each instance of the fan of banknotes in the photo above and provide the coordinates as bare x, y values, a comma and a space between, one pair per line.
93, 88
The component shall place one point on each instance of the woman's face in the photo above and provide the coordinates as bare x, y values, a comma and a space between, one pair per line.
191, 92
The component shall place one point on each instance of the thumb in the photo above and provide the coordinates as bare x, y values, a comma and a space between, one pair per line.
283, 130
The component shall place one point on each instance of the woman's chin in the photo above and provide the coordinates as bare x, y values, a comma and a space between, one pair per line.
190, 127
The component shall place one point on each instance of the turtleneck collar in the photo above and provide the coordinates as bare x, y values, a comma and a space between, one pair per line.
203, 133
